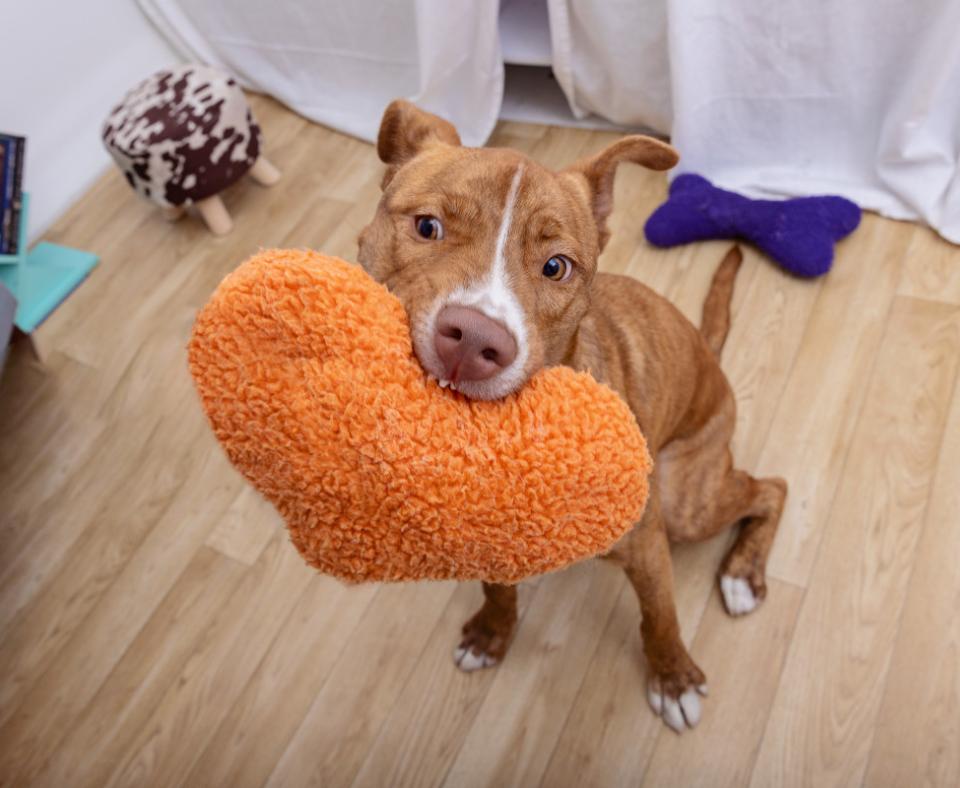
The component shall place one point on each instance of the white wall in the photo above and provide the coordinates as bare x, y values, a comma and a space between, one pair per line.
63, 65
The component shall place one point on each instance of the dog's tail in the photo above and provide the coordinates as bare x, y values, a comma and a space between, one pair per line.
715, 322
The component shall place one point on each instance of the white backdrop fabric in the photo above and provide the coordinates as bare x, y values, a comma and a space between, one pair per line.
611, 58
857, 98
783, 97
768, 97
340, 63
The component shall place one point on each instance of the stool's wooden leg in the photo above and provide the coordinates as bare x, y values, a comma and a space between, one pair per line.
215, 214
264, 173
172, 212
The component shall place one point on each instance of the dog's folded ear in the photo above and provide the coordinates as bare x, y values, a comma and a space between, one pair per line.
406, 130
599, 170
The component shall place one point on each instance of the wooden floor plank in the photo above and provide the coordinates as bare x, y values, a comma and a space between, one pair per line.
745, 657
917, 739
58, 418
431, 719
930, 270
68, 565
25, 378
610, 712
86, 751
243, 531
55, 672
769, 322
259, 726
174, 732
830, 693
518, 724
816, 415
334, 737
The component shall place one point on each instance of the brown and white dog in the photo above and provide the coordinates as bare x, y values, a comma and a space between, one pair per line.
494, 258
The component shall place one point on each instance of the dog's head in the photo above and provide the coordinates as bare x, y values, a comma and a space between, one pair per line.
491, 254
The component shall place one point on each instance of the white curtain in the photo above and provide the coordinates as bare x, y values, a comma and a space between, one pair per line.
783, 97
340, 63
768, 97
611, 59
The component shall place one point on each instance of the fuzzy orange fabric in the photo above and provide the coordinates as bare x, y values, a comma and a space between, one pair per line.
306, 371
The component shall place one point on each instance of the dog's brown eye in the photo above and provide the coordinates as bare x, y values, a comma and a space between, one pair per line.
429, 227
557, 268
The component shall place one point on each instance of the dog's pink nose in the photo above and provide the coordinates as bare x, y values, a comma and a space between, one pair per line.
470, 345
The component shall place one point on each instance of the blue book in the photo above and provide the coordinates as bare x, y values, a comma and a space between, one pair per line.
13, 148
20, 147
6, 201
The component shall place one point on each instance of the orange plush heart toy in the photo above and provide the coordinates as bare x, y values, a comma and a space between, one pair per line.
306, 371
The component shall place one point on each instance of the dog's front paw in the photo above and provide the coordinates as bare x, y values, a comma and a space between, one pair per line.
675, 697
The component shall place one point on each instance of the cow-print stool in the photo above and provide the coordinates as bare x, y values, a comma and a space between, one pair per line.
182, 136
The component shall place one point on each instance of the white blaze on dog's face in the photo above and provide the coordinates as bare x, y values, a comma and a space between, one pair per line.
490, 253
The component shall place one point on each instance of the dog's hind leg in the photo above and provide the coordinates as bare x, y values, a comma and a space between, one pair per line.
703, 494
486, 636
756, 504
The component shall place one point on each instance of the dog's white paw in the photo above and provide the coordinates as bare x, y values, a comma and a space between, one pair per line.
679, 714
468, 661
738, 597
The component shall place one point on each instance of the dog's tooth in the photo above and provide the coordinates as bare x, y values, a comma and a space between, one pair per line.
443, 383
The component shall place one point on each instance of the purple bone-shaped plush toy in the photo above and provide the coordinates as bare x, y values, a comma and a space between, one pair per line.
799, 233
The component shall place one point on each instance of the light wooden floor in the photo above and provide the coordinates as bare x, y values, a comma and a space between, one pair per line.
158, 629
